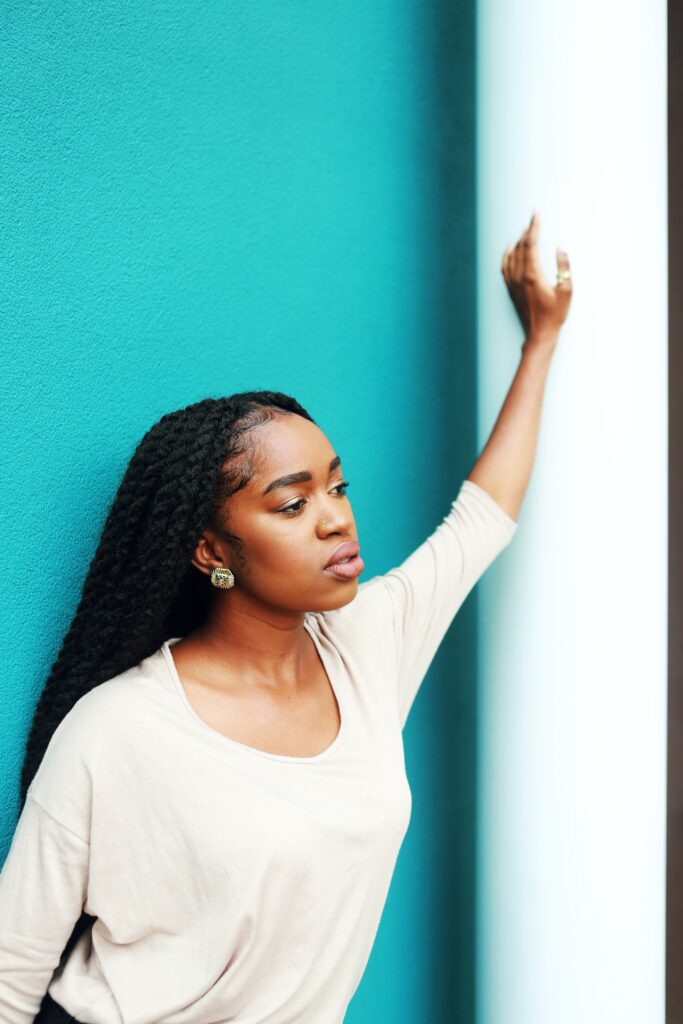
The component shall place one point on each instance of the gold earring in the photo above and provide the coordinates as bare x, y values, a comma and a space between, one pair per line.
222, 577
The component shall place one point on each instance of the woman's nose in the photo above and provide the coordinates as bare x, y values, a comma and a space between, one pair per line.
335, 517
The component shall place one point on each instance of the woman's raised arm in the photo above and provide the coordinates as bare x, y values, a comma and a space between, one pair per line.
504, 465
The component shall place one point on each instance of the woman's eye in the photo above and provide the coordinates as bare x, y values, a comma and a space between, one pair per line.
294, 509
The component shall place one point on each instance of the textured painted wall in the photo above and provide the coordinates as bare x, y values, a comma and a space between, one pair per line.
202, 198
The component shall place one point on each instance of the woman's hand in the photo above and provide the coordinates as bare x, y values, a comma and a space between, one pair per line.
541, 309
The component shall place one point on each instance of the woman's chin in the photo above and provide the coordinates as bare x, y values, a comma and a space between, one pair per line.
345, 593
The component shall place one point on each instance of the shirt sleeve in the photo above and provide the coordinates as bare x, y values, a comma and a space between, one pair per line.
426, 590
43, 887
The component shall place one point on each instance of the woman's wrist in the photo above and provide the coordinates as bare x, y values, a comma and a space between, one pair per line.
544, 340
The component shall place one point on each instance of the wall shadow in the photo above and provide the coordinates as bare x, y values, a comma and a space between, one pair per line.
674, 882
449, 714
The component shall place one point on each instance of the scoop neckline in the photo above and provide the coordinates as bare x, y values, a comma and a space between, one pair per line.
236, 744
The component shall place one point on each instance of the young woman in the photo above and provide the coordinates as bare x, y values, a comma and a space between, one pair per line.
214, 791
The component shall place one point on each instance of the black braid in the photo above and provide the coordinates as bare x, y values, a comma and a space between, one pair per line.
141, 587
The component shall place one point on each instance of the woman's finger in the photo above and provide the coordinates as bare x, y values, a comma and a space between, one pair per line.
521, 250
505, 266
531, 268
564, 281
512, 281
517, 264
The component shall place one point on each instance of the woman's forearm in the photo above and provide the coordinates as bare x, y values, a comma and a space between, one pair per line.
504, 465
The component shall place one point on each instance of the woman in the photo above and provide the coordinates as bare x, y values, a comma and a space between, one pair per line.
210, 832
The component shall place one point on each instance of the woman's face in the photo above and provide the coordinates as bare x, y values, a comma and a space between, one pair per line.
289, 529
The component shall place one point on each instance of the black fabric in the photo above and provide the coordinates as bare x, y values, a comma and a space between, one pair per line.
51, 1012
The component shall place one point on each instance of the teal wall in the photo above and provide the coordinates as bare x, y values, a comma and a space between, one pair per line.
209, 197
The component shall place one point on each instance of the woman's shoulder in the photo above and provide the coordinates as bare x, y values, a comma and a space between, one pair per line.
117, 698
98, 721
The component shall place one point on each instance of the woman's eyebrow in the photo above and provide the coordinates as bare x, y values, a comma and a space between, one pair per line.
297, 478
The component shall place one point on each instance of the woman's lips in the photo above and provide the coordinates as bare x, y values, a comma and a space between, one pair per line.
346, 570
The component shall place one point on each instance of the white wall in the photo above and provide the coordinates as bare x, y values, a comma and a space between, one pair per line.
571, 894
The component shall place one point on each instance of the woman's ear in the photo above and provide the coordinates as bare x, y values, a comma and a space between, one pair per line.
210, 552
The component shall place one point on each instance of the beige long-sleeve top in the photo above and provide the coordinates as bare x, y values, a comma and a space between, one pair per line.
231, 884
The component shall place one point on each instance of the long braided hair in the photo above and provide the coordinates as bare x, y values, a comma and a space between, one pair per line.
141, 587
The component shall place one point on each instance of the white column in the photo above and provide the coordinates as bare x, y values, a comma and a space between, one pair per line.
572, 798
